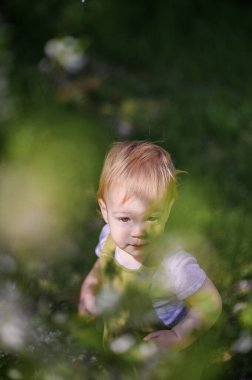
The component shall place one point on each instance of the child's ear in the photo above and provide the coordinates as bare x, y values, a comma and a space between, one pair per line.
170, 207
103, 209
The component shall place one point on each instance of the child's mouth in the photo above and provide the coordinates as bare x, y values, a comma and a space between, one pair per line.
139, 245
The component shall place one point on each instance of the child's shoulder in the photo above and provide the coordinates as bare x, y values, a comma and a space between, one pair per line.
180, 272
177, 258
102, 238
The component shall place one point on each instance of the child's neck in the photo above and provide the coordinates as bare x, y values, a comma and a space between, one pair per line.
126, 260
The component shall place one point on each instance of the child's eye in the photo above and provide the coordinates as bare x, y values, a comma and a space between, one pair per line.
153, 218
124, 219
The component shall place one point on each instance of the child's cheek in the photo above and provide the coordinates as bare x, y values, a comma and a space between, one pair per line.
156, 229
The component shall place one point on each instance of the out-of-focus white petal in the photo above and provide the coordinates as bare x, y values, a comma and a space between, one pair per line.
122, 344
242, 344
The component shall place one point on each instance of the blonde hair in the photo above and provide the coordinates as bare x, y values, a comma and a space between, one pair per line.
146, 168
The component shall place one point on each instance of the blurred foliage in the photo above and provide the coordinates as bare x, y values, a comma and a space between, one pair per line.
175, 72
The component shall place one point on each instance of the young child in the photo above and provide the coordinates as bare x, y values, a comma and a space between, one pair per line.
165, 298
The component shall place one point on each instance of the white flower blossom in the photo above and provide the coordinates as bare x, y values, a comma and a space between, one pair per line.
243, 344
122, 344
13, 320
67, 52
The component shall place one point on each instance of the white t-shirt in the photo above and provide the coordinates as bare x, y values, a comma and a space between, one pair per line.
178, 277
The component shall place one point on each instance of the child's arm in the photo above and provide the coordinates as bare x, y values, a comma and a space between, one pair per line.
204, 308
87, 302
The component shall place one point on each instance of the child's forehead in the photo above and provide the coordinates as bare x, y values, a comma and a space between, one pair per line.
124, 196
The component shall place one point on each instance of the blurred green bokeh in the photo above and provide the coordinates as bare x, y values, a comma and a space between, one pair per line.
74, 77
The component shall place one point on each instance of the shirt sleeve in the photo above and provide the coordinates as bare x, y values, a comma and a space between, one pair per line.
102, 238
183, 275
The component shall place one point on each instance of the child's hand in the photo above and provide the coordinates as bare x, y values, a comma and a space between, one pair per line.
163, 338
87, 304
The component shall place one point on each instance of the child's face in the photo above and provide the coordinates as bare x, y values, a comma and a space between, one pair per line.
133, 222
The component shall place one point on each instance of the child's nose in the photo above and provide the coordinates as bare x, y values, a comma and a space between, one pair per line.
139, 231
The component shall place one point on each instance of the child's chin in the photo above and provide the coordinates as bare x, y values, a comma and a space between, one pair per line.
138, 253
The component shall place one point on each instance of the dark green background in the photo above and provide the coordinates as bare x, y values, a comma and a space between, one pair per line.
175, 72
